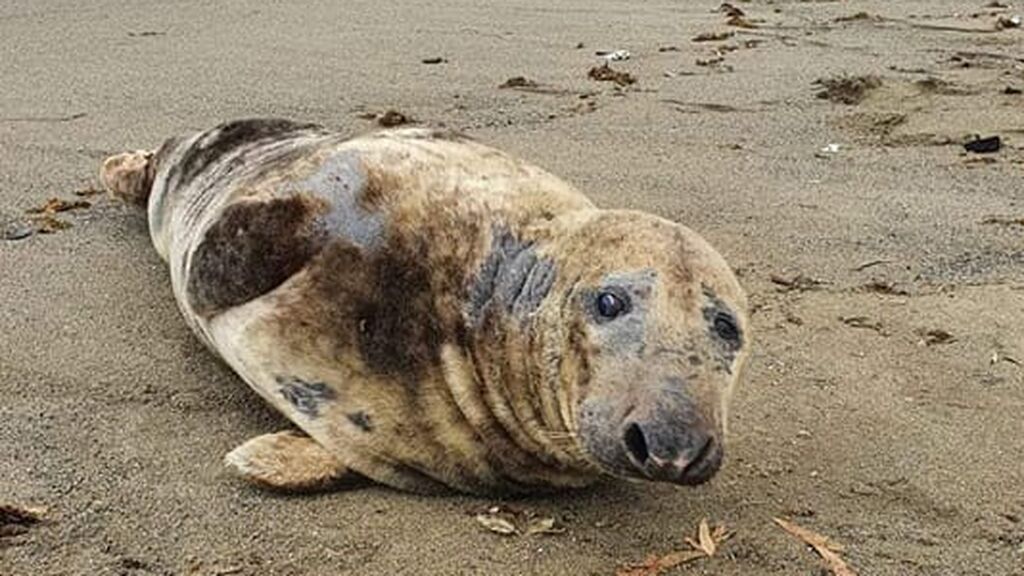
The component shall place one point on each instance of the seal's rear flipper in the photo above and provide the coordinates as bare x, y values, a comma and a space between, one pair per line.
290, 461
129, 176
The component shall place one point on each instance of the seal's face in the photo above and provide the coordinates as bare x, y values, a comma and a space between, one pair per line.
658, 328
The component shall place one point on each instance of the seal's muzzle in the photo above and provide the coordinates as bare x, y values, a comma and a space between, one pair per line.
668, 444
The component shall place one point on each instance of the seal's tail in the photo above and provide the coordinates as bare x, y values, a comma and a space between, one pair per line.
129, 176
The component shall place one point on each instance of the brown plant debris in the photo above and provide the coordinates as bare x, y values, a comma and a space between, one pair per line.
863, 322
799, 283
606, 73
741, 22
715, 61
44, 218
731, 10
825, 547
387, 119
496, 524
871, 263
883, 287
55, 205
706, 545
712, 36
936, 336
518, 82
848, 90
1004, 220
542, 526
392, 118
16, 520
859, 16
49, 224
510, 521
86, 192
654, 565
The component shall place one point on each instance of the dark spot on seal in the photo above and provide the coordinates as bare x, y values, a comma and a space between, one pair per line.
251, 249
695, 360
380, 304
361, 420
512, 279
215, 144
392, 306
723, 328
400, 330
305, 396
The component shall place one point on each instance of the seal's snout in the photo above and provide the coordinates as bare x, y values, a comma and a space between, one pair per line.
688, 456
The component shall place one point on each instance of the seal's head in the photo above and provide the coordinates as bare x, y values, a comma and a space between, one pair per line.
656, 334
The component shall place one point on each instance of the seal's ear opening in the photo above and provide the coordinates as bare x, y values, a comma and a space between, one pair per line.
129, 176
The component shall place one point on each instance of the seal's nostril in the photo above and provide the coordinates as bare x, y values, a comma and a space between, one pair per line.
705, 451
703, 465
636, 443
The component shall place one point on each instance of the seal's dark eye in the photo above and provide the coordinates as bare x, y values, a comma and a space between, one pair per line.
725, 327
610, 305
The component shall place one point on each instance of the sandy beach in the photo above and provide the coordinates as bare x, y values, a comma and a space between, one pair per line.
818, 145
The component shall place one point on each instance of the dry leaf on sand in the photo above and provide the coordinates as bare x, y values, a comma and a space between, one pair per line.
512, 521
496, 524
705, 546
708, 540
825, 547
14, 519
543, 526
707, 543
48, 224
655, 565
55, 205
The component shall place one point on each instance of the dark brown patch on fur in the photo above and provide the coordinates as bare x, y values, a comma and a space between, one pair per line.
230, 136
251, 249
395, 305
402, 334
374, 193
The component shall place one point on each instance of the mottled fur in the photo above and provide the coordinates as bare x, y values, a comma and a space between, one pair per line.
421, 305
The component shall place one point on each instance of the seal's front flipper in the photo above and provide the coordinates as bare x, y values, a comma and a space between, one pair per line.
290, 461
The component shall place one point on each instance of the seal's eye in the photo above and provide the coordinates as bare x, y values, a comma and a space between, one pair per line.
611, 305
725, 327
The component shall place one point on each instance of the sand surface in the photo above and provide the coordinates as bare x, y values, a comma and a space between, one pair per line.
852, 420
